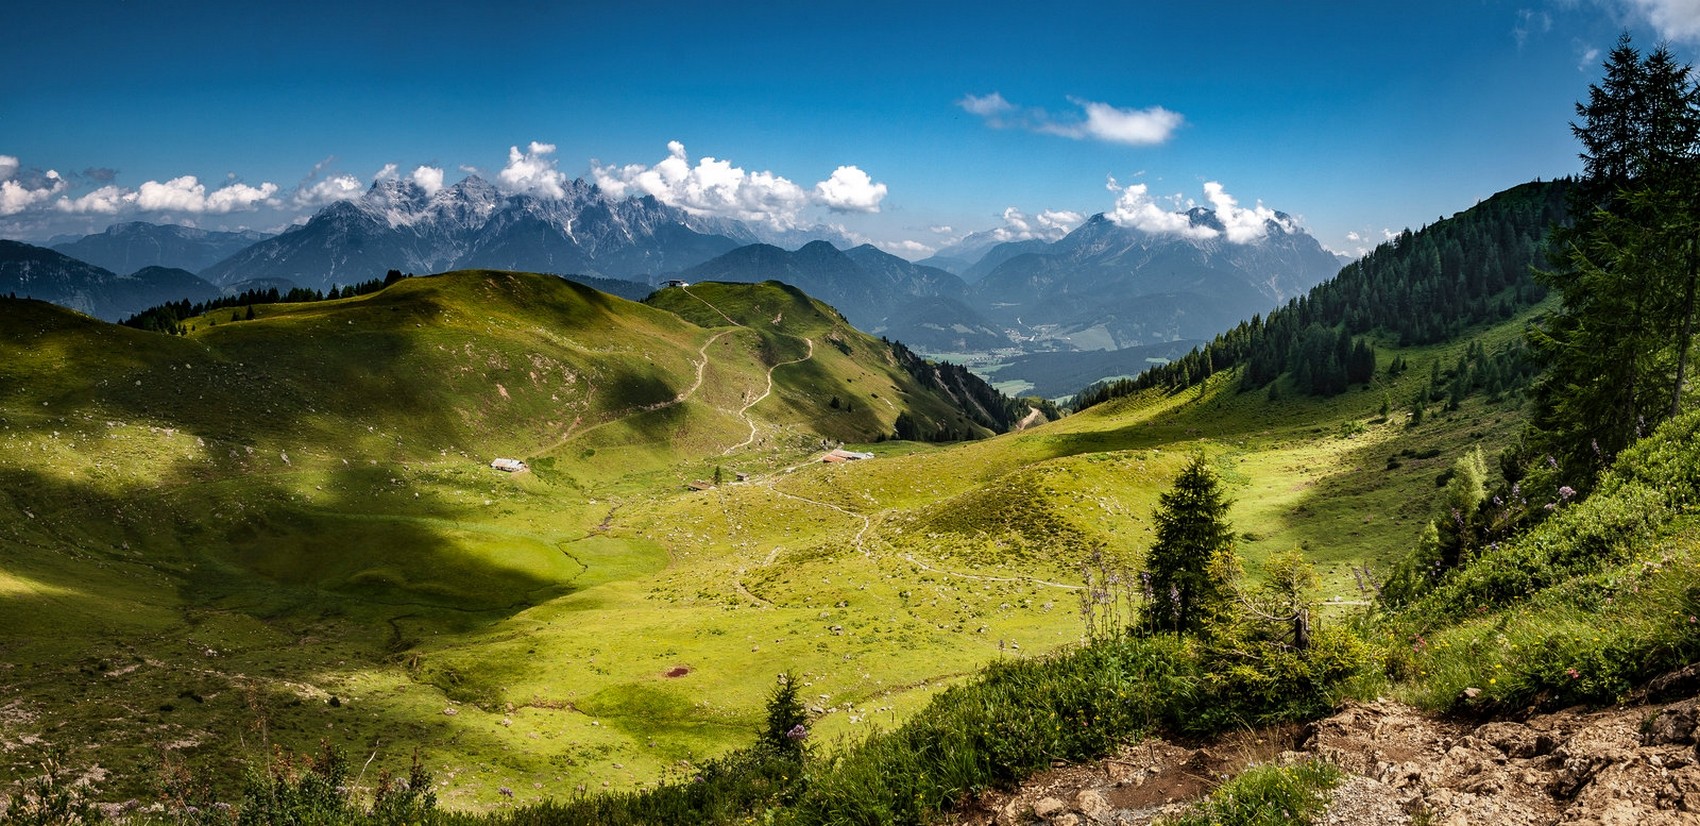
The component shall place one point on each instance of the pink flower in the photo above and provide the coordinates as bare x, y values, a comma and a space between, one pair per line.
1574, 674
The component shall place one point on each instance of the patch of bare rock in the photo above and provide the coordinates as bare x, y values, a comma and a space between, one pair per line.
1634, 765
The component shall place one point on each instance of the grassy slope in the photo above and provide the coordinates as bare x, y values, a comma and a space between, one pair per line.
320, 519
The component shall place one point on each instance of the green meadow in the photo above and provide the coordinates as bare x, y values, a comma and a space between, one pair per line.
277, 532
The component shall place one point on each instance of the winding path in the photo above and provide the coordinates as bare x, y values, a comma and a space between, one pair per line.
681, 398
744, 412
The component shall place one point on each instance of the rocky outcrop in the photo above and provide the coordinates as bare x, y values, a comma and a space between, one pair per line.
1634, 764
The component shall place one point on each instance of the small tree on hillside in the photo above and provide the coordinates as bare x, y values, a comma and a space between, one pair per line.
787, 721
1191, 567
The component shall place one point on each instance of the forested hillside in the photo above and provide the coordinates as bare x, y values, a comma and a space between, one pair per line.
1420, 288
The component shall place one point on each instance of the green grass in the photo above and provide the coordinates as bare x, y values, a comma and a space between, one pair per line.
321, 517
1265, 796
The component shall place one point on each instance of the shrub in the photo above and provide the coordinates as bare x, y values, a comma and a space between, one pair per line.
1266, 796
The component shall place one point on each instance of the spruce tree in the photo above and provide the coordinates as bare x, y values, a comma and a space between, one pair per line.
1616, 352
1189, 567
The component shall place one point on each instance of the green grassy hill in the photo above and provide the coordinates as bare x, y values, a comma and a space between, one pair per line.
285, 530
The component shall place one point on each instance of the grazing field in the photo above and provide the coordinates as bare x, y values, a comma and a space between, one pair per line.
286, 530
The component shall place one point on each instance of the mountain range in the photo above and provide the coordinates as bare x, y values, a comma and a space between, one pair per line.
1106, 286
1103, 286
37, 272
130, 246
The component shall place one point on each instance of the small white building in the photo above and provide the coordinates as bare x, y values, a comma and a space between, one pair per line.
678, 283
509, 465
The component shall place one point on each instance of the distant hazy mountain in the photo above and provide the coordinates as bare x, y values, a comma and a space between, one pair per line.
878, 292
38, 272
131, 246
1106, 286
397, 225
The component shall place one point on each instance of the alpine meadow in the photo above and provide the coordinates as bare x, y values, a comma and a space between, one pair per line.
634, 500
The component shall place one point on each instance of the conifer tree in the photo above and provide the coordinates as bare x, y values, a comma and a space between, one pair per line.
1616, 353
1189, 568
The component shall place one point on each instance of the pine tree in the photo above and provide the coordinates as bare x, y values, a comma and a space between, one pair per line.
1616, 353
1188, 569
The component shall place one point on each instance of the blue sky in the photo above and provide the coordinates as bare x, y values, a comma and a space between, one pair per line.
906, 124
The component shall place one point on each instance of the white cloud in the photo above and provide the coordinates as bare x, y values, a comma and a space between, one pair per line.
17, 196
1585, 57
1135, 207
849, 190
985, 106
1096, 120
532, 172
8, 167
107, 200
717, 187
1672, 19
1134, 127
329, 191
912, 250
187, 194
1243, 225
1354, 236
941, 229
429, 178
388, 173
1049, 225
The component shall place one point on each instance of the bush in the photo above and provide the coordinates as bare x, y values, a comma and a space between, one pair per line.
1266, 796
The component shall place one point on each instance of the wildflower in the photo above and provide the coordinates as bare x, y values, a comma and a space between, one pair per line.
1566, 492
505, 791
1692, 619
797, 733
1574, 674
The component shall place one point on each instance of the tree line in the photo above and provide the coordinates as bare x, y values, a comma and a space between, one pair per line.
168, 317
1417, 288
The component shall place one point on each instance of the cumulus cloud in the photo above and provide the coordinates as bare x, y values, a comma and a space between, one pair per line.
1136, 207
532, 172
1241, 224
849, 190
1095, 120
18, 193
1673, 19
429, 178
107, 200
1048, 225
717, 187
187, 194
328, 191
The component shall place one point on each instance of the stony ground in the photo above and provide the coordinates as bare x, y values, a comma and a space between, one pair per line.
1632, 764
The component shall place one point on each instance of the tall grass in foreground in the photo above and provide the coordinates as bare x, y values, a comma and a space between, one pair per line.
1598, 598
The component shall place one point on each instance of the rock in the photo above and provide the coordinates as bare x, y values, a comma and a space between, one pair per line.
1092, 804
1685, 680
1513, 739
1048, 807
1674, 726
